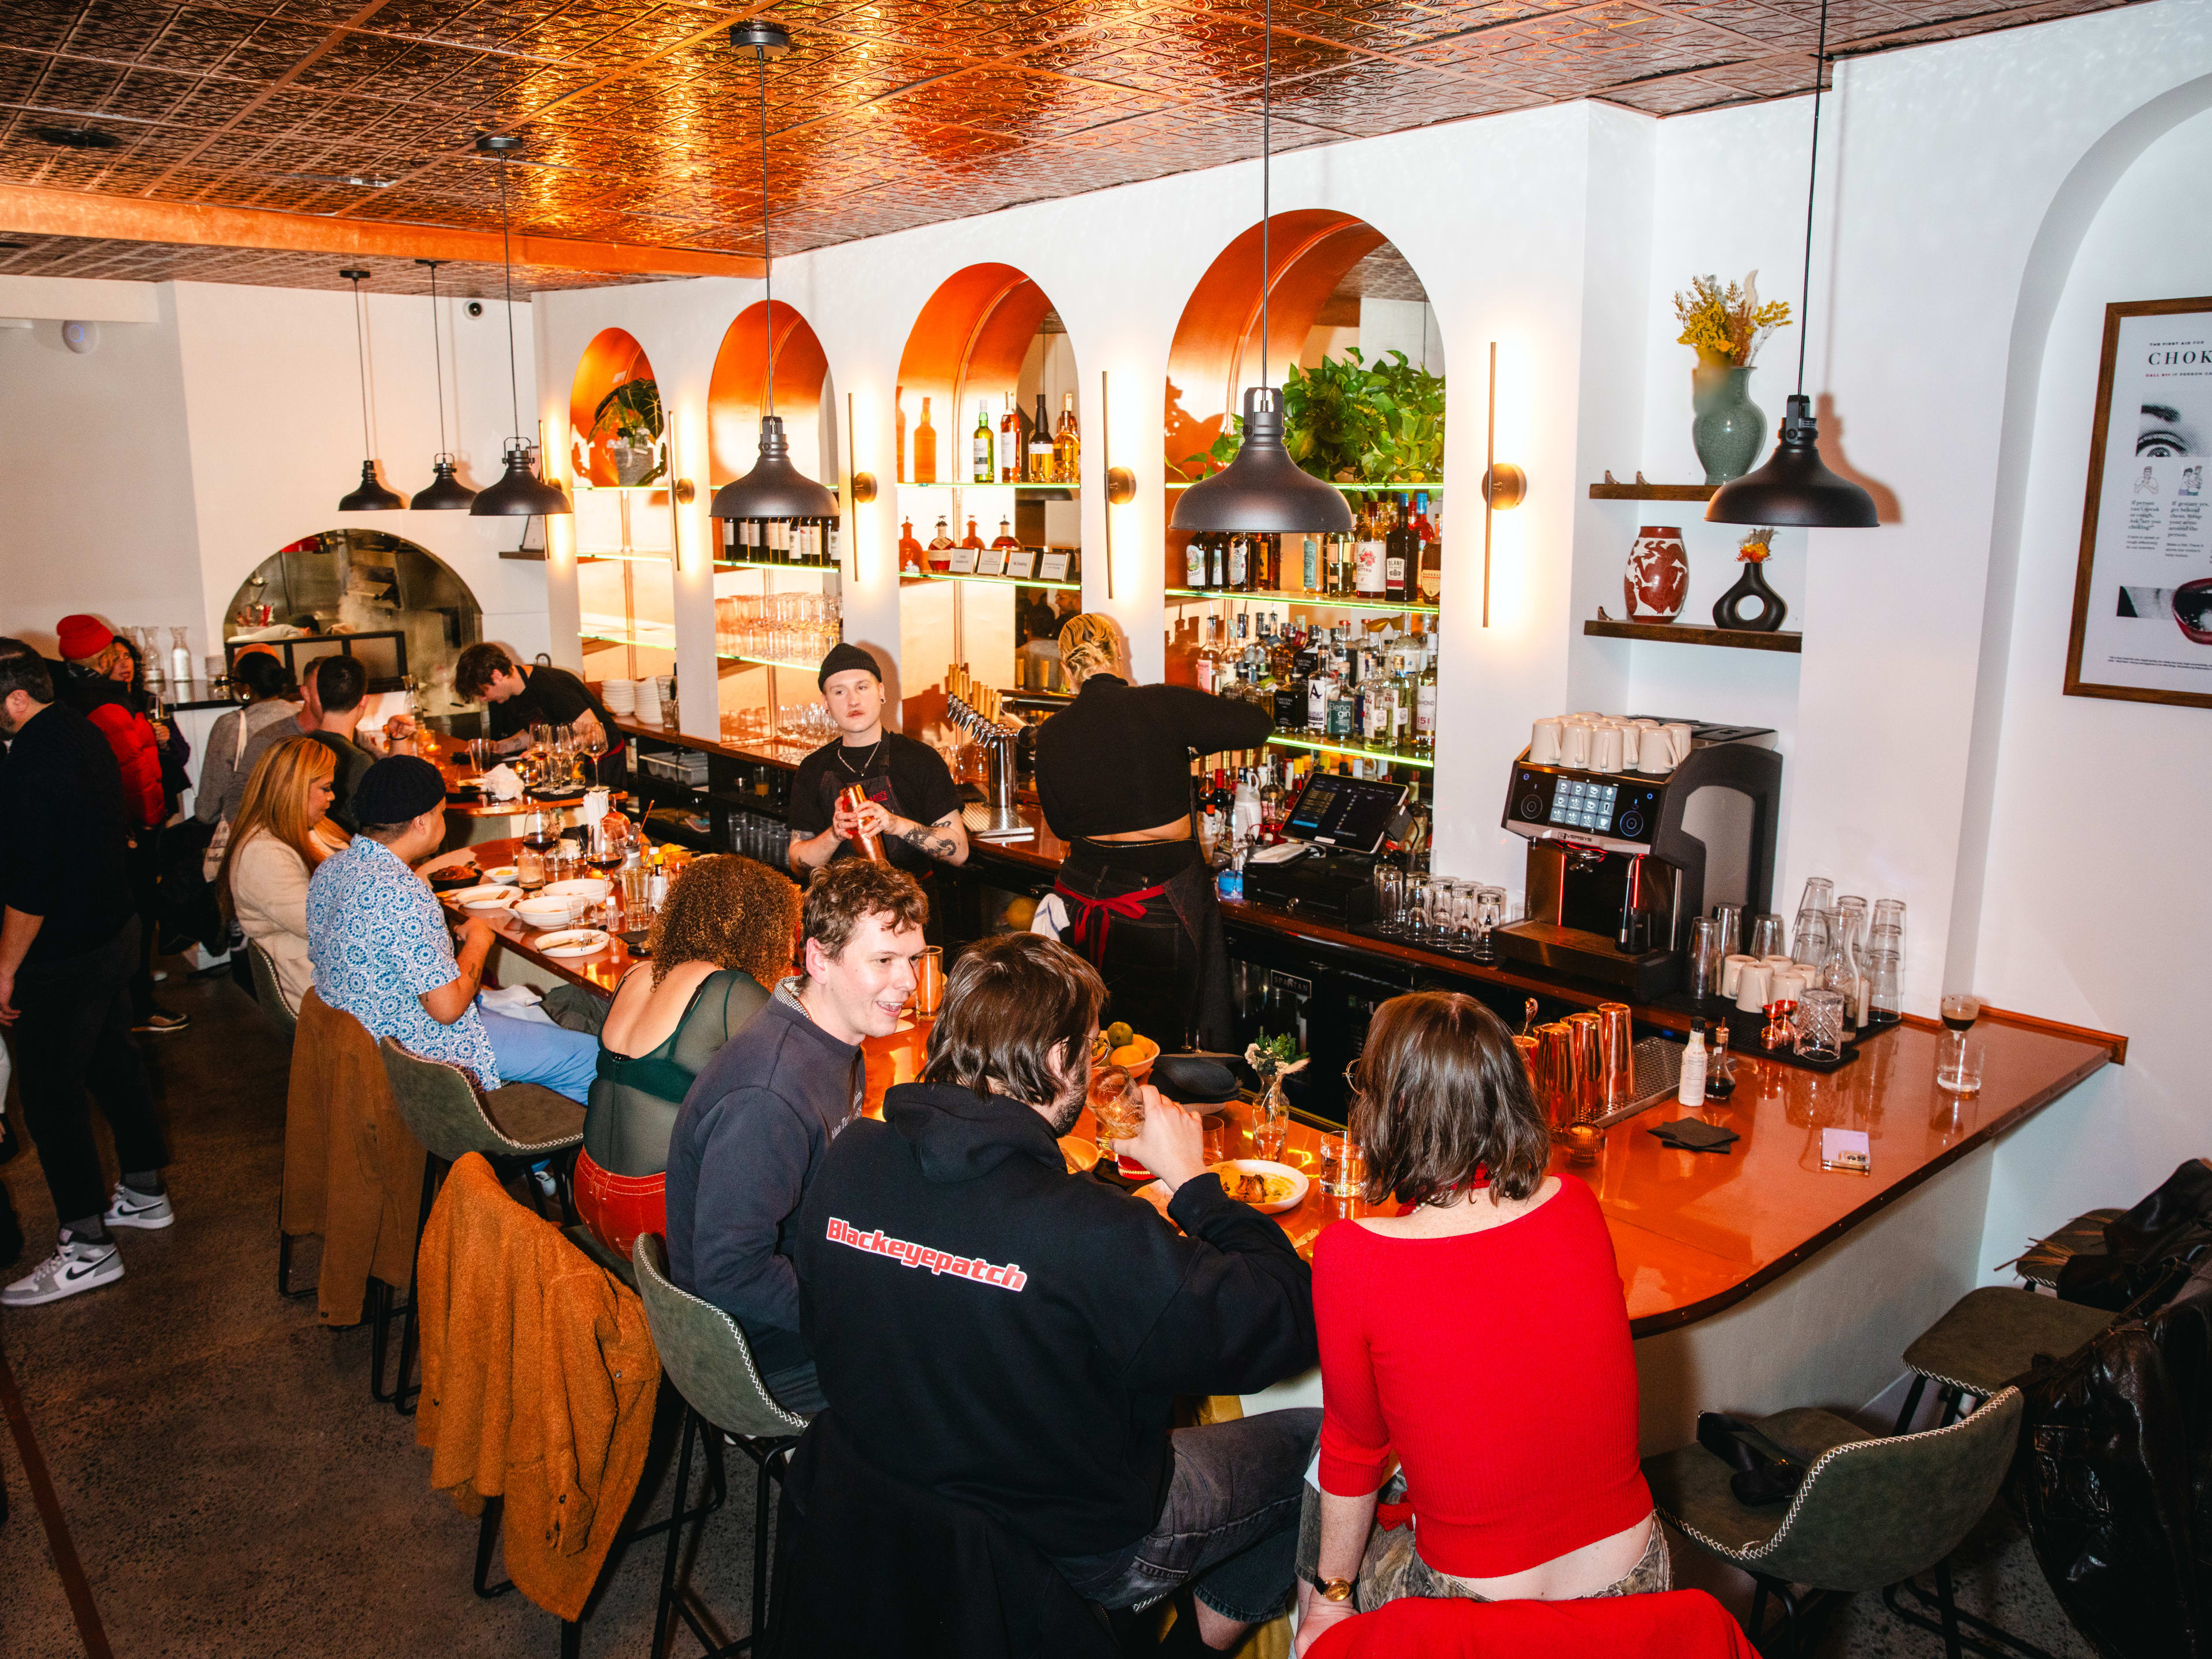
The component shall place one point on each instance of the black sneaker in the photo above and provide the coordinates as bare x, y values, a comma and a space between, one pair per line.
160, 1022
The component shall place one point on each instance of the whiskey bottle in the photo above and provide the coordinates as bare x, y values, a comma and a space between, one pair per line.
941, 544
981, 445
1193, 563
1429, 585
1066, 446
910, 554
1010, 443
925, 448
1040, 450
971, 539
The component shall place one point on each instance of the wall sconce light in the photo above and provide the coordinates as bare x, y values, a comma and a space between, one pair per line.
685, 492
1120, 485
1504, 484
864, 488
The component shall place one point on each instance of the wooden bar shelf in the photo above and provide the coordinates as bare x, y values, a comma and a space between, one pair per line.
1613, 490
1739, 639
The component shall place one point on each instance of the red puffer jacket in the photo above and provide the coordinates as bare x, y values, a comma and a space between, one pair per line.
129, 733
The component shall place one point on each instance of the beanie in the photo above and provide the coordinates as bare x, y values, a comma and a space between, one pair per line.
843, 657
397, 789
82, 636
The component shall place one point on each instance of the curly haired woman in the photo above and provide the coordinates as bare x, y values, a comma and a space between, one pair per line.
717, 949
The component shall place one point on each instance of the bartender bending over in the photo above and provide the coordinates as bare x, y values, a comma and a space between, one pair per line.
911, 804
1113, 776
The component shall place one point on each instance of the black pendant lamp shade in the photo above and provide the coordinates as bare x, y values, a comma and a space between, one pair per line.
446, 494
1795, 487
1263, 491
373, 495
520, 493
775, 488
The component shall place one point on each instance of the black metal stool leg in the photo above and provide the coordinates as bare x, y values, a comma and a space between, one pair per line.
760, 1548
403, 1393
1911, 1402
1758, 1608
675, 1534
380, 1303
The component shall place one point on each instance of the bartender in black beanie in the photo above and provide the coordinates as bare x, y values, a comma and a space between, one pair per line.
912, 808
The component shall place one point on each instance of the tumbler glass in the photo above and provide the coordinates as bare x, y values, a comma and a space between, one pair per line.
1343, 1170
1731, 919
1555, 1072
1765, 935
929, 982
1706, 954
1616, 1051
1586, 1064
1489, 916
1810, 945
1821, 1025
1889, 913
1117, 1107
1819, 894
1389, 892
1419, 892
1885, 999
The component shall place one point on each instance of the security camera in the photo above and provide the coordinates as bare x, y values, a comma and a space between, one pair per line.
476, 308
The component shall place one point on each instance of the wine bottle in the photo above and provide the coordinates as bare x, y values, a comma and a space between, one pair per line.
982, 472
1041, 450
925, 448
1010, 443
1066, 446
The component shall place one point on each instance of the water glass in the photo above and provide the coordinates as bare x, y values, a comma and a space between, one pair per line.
1821, 1025
1958, 1064
1889, 913
1815, 931
1586, 1064
929, 982
1730, 918
1390, 895
1115, 1105
1819, 894
1420, 891
1707, 953
1885, 997
1554, 1073
1343, 1170
1489, 916
1765, 935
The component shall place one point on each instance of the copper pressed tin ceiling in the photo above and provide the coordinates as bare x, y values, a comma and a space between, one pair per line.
642, 121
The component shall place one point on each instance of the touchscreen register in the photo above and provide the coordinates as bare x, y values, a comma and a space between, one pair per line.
1352, 813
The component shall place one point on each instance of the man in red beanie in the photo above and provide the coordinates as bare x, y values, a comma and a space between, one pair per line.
89, 647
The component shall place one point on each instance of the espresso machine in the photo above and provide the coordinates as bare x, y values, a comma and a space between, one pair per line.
1621, 862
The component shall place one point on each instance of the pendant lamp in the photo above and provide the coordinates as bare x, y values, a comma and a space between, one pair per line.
372, 496
775, 488
1796, 487
1263, 491
447, 493
520, 493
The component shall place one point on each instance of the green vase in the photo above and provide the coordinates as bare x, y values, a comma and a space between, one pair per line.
1728, 429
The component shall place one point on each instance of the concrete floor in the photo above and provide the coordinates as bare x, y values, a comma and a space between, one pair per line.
231, 1491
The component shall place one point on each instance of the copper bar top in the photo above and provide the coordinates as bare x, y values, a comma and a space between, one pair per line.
1694, 1232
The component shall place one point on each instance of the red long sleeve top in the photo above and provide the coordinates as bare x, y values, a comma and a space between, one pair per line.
1498, 1366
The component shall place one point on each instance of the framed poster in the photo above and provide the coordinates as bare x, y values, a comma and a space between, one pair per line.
2142, 590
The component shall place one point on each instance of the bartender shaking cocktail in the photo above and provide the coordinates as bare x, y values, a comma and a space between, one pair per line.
870, 791
1113, 776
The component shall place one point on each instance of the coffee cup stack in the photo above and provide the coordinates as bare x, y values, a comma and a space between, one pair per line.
1603, 743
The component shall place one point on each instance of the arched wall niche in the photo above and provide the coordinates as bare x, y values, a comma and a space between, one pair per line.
968, 344
617, 433
738, 390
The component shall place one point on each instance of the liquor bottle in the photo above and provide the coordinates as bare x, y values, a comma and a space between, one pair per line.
1429, 585
982, 473
1367, 579
1240, 570
898, 408
1424, 709
925, 448
1400, 561
1067, 445
1209, 660
1310, 572
911, 554
1040, 449
940, 547
1005, 539
1193, 563
971, 539
1010, 443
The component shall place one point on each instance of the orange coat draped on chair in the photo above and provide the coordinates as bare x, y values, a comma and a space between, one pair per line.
352, 1172
538, 1381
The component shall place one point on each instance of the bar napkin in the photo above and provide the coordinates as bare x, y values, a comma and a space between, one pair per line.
501, 783
1691, 1134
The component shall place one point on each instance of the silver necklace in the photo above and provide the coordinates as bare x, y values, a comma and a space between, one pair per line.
859, 771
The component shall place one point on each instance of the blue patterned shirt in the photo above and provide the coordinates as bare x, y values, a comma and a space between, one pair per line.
377, 937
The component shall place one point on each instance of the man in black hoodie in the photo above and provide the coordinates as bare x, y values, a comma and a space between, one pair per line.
990, 1327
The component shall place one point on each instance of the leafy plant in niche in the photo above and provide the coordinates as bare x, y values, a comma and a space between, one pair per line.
1351, 423
631, 414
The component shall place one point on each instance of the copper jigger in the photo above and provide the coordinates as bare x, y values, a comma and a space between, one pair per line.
1589, 1066
1616, 1045
1554, 1072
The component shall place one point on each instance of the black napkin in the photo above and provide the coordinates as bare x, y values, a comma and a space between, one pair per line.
1691, 1134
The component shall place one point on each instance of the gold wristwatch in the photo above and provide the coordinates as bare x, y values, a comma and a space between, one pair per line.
1331, 1590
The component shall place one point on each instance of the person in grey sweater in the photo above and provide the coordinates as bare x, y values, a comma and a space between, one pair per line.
757, 1121
231, 749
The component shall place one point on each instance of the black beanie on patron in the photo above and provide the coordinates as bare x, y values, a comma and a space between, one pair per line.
842, 658
397, 790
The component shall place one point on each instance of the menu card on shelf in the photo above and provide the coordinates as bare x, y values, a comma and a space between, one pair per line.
1052, 567
992, 562
1022, 562
963, 561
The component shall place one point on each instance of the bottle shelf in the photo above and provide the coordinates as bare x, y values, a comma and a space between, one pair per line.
1313, 601
1342, 746
622, 558
1411, 486
1738, 639
770, 662
647, 636
1061, 492
1001, 581
1613, 490
769, 564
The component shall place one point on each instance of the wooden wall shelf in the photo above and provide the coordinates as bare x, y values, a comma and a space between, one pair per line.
1613, 490
1739, 639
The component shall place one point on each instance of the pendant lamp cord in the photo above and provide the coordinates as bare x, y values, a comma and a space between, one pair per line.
767, 261
437, 362
507, 258
360, 364
1812, 181
1266, 112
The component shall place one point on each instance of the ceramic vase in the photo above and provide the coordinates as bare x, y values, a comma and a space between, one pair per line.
1751, 605
1728, 429
1657, 579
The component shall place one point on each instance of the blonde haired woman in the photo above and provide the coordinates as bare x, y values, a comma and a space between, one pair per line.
275, 843
1113, 776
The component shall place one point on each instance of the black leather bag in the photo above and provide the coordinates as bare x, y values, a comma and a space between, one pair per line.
2170, 1228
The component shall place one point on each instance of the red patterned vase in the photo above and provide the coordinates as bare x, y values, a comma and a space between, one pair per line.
1657, 579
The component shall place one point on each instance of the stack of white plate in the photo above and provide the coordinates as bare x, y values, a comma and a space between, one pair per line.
647, 710
619, 696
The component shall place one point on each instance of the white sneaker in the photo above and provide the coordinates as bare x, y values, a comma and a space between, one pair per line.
133, 1208
73, 1267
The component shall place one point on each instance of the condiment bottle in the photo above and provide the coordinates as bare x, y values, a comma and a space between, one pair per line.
1720, 1069
1690, 1090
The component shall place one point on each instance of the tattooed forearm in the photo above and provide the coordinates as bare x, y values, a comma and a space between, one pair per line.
923, 836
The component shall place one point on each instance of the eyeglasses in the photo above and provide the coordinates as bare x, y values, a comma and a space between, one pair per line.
1352, 1076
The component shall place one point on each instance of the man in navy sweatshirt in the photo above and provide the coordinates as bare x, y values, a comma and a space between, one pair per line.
756, 1123
997, 1331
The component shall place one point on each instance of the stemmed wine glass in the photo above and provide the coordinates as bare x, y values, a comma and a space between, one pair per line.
1954, 1069
593, 737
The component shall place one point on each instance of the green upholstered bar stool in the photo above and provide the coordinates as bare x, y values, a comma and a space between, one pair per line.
1871, 1510
517, 1124
707, 1360
1990, 1336
2083, 1236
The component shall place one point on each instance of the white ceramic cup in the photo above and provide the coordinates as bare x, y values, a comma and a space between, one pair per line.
1606, 748
1751, 986
1655, 751
1786, 985
1732, 971
1575, 743
1632, 742
1543, 743
1679, 737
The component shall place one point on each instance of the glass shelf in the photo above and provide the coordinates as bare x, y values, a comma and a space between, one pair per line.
1002, 581
769, 564
1316, 601
1063, 490
625, 558
642, 636
1357, 751
1414, 486
772, 662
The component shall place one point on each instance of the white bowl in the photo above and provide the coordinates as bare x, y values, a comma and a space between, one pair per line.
491, 896
558, 913
1261, 1166
594, 888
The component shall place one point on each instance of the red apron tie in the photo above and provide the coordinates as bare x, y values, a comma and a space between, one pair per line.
1128, 906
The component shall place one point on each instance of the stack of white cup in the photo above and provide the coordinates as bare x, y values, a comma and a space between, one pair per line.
1601, 743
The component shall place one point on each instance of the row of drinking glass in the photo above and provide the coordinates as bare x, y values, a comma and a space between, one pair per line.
1838, 945
1442, 913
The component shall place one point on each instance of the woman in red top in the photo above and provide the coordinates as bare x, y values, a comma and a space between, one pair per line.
1481, 1339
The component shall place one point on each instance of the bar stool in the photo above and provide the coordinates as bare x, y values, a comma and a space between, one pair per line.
1990, 1336
271, 1001
705, 1358
1871, 1510
517, 1124
2041, 1263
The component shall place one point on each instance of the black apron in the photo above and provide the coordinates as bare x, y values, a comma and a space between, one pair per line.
1147, 915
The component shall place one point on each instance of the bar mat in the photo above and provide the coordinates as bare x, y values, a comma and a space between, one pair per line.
1744, 1031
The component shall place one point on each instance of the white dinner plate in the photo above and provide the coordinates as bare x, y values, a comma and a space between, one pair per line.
493, 896
575, 942
590, 887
